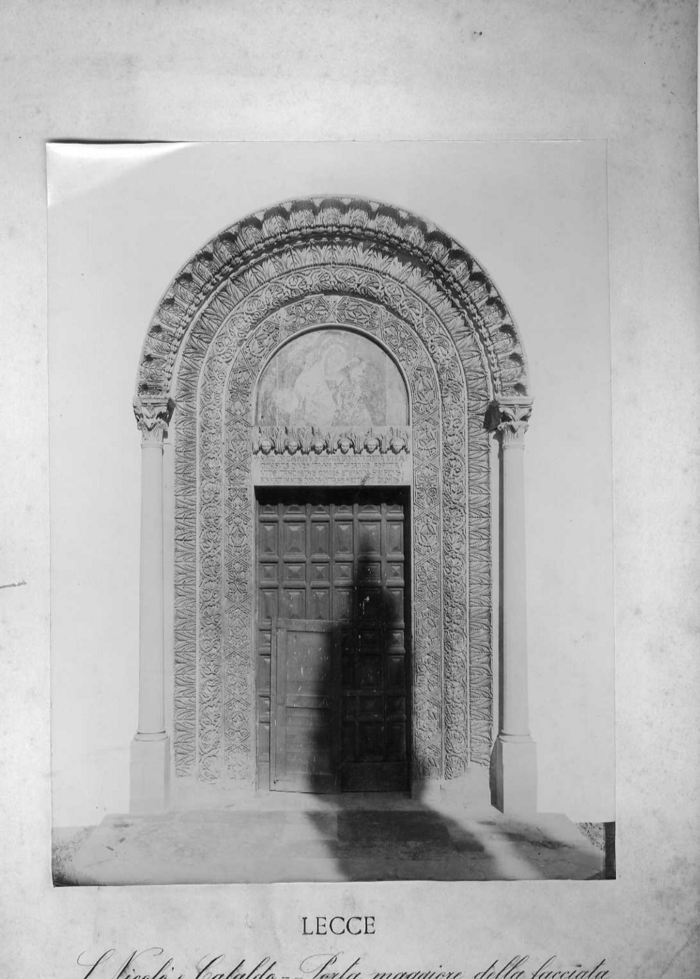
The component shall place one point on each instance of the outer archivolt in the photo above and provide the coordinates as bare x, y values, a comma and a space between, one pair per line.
439, 269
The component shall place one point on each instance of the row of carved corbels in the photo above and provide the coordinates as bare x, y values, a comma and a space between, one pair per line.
312, 441
153, 417
509, 419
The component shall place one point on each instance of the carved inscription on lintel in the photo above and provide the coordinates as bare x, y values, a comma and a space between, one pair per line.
332, 470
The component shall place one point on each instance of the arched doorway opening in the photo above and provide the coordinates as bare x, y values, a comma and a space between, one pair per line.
332, 477
217, 386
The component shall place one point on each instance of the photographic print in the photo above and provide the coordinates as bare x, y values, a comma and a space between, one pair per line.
331, 513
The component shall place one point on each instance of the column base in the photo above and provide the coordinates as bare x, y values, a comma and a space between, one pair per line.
150, 773
514, 774
470, 789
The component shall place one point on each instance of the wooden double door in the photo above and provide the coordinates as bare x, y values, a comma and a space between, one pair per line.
333, 662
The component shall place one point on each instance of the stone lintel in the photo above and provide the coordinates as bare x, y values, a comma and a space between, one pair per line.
333, 470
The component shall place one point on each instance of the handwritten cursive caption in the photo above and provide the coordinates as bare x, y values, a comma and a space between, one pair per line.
155, 963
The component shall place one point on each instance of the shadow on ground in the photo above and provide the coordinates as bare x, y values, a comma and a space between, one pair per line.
365, 837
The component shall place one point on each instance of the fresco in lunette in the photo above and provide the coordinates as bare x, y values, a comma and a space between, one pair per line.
332, 378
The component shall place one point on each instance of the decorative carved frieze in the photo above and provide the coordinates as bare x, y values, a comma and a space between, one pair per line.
270, 441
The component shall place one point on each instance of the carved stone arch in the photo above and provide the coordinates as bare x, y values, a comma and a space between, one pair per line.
378, 270
428, 257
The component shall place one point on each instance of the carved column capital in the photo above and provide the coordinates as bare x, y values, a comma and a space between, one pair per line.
509, 419
153, 417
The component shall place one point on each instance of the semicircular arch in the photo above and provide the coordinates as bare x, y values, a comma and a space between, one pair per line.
348, 231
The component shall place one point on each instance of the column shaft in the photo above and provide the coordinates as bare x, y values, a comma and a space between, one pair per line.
514, 760
151, 712
515, 719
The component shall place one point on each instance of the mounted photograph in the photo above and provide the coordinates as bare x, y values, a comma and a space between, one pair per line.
331, 512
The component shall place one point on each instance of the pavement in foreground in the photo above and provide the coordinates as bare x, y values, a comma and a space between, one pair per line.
362, 841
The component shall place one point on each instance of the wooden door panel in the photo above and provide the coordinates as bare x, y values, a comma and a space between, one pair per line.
395, 538
368, 672
294, 573
305, 737
371, 738
293, 605
370, 640
396, 672
319, 604
268, 574
343, 573
294, 538
369, 543
394, 606
341, 561
343, 604
372, 776
320, 539
343, 539
268, 601
267, 540
320, 572
395, 733
369, 572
